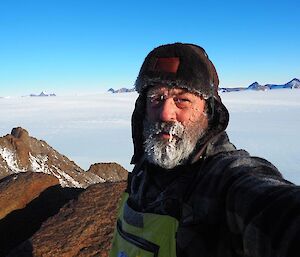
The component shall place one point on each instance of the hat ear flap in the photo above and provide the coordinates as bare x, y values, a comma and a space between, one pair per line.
137, 128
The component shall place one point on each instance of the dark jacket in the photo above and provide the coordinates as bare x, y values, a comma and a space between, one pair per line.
227, 203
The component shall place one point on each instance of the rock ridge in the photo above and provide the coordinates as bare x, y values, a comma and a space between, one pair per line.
49, 206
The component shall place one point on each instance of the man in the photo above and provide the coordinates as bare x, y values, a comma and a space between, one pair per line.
192, 193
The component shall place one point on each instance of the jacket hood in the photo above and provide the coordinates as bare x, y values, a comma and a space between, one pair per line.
184, 66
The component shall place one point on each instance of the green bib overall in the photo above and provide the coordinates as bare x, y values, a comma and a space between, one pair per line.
143, 234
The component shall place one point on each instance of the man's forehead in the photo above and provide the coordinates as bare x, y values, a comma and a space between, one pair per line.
162, 89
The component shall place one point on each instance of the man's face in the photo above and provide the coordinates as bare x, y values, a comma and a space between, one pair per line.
175, 120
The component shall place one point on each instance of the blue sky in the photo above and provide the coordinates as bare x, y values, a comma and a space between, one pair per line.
87, 46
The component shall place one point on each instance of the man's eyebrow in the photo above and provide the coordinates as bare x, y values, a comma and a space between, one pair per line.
182, 93
185, 94
154, 92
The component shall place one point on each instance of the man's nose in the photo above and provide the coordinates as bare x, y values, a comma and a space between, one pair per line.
168, 110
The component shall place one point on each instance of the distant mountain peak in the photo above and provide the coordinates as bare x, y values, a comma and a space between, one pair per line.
43, 93
254, 84
121, 90
294, 83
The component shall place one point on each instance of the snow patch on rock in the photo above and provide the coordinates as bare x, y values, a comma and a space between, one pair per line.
10, 158
64, 178
39, 163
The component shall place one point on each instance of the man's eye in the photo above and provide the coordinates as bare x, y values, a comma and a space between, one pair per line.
156, 100
182, 102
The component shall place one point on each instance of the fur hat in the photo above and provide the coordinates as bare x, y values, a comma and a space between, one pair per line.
179, 65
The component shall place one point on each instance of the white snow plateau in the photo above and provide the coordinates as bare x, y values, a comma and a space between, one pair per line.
97, 128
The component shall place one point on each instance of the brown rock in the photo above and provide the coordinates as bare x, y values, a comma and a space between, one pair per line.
18, 139
20, 153
41, 197
20, 133
17, 190
110, 171
82, 228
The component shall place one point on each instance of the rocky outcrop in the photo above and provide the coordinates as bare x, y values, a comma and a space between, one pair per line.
83, 228
111, 171
17, 190
27, 200
20, 153
51, 207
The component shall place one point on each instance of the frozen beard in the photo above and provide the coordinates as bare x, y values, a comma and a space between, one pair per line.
176, 150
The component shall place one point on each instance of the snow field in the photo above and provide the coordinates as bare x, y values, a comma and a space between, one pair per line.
97, 128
